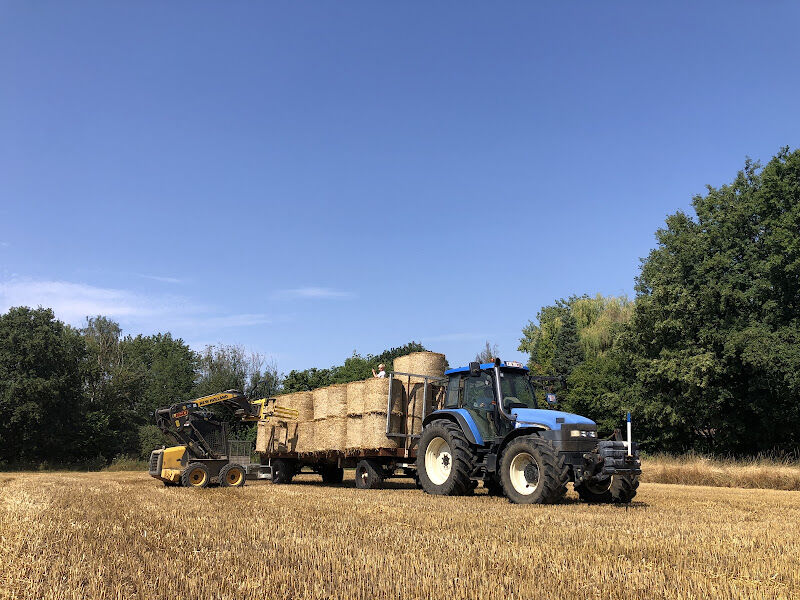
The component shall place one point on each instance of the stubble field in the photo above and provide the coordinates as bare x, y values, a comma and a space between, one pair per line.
122, 535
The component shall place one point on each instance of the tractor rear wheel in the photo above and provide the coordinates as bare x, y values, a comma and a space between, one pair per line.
369, 475
282, 471
623, 488
232, 475
196, 475
332, 474
532, 472
444, 460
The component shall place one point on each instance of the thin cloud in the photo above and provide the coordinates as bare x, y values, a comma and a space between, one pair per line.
5, 244
312, 293
162, 279
73, 302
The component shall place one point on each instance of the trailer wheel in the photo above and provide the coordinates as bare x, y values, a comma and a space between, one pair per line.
232, 475
444, 460
332, 474
368, 475
282, 471
532, 472
196, 475
623, 488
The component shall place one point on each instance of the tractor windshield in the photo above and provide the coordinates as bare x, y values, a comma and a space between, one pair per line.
517, 390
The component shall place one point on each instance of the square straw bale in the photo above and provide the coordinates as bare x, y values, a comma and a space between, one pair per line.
336, 406
330, 434
302, 402
373, 431
320, 403
305, 437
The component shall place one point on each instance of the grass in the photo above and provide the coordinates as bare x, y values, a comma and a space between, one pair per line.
762, 473
112, 535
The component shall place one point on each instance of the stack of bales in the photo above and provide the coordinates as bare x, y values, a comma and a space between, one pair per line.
330, 418
417, 408
379, 405
287, 435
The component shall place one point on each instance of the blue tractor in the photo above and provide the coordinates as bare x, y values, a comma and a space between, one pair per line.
492, 430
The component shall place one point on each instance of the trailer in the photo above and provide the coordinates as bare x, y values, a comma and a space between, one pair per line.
372, 465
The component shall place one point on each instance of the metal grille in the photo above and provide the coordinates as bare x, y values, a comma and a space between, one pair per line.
240, 451
155, 458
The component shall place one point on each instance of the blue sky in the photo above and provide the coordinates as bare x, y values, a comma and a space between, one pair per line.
306, 179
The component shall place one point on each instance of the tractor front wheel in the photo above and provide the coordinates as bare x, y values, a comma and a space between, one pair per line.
623, 488
444, 460
619, 489
532, 472
196, 475
232, 475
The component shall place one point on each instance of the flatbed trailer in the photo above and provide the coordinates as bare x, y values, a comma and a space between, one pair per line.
372, 466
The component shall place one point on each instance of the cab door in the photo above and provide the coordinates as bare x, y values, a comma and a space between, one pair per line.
479, 401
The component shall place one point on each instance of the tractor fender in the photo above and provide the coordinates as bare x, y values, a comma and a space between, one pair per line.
520, 431
460, 417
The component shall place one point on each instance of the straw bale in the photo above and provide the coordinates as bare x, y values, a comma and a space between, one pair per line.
376, 393
305, 437
276, 436
330, 434
302, 402
373, 431
262, 435
413, 425
421, 363
320, 396
355, 398
355, 425
337, 401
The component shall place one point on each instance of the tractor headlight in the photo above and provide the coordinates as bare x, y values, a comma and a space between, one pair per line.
583, 433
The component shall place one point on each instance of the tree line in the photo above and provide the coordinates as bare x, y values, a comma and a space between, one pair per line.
85, 396
707, 354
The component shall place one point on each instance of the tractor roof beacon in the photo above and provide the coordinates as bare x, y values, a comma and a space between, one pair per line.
492, 430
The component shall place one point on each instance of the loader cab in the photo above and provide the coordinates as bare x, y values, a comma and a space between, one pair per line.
473, 389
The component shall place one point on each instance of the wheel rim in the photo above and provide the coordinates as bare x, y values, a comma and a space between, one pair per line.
363, 475
438, 460
234, 477
197, 477
524, 474
598, 487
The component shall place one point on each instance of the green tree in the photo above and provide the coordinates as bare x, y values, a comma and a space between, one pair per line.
568, 352
42, 411
715, 331
487, 354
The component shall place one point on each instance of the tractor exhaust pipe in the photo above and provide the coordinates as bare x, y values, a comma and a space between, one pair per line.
503, 412
630, 439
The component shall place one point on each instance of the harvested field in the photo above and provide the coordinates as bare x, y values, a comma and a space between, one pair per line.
698, 470
122, 535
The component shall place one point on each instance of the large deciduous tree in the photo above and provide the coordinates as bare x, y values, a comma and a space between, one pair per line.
715, 336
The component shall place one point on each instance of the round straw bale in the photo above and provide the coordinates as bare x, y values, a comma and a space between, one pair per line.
373, 431
331, 433
305, 437
421, 363
320, 401
354, 427
355, 398
337, 401
376, 396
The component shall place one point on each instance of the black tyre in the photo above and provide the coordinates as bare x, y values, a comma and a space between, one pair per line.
532, 472
232, 475
282, 471
493, 486
369, 475
196, 475
444, 460
172, 484
623, 488
331, 474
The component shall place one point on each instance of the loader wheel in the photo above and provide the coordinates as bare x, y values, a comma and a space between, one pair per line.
282, 471
532, 472
369, 475
196, 475
232, 475
332, 474
623, 488
444, 460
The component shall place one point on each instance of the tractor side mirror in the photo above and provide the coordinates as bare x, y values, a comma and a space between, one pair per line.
474, 369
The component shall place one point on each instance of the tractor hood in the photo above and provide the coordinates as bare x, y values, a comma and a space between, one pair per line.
552, 419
